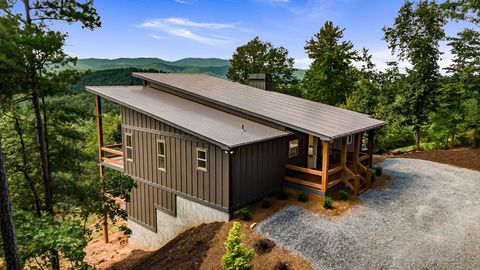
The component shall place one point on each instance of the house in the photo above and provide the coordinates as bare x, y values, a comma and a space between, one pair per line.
200, 148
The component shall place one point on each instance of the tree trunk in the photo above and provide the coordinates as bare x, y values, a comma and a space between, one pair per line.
42, 147
417, 138
6, 222
476, 134
24, 170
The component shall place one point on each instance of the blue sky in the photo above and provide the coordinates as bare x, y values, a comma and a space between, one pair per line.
174, 29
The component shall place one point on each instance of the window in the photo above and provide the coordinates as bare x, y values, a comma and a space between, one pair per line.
129, 147
161, 163
202, 159
293, 148
349, 139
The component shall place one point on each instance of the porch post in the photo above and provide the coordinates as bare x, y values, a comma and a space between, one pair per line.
325, 160
370, 148
98, 112
356, 151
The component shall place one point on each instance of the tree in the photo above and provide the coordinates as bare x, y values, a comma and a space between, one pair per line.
415, 37
331, 77
237, 256
465, 81
258, 56
6, 222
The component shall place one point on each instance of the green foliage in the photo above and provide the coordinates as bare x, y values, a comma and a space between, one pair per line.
258, 56
282, 195
266, 202
327, 202
37, 236
415, 36
343, 195
331, 76
245, 214
237, 256
378, 170
302, 196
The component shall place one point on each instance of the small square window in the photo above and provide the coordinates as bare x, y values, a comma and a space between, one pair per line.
293, 148
161, 163
128, 147
202, 159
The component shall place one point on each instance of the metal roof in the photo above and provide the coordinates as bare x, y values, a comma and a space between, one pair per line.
202, 121
325, 121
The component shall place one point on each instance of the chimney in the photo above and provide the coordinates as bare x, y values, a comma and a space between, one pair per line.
261, 81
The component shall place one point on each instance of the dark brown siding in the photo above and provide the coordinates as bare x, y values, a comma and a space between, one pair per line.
158, 188
302, 158
257, 170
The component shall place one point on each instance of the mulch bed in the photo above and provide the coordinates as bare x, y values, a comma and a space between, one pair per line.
462, 157
186, 251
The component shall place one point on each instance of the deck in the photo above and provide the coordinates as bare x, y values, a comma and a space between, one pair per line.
112, 157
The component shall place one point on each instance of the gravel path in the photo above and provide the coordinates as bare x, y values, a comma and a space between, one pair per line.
427, 217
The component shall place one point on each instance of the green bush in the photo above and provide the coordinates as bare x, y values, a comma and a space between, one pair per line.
266, 202
237, 256
378, 170
282, 195
327, 202
302, 196
245, 214
343, 195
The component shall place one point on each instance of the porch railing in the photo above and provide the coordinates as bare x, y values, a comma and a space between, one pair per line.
112, 155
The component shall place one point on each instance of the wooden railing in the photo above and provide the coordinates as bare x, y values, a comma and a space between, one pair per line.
113, 155
317, 178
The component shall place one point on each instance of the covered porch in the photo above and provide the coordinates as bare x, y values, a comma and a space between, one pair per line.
325, 164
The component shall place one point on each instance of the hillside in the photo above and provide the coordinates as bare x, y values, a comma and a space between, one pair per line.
211, 66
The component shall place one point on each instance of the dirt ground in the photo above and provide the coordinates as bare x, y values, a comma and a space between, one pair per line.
461, 157
186, 251
277, 254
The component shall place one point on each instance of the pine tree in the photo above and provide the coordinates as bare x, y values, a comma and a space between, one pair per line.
237, 256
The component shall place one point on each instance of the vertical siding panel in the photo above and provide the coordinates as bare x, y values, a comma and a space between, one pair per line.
184, 165
178, 165
218, 175
212, 173
193, 158
188, 158
226, 181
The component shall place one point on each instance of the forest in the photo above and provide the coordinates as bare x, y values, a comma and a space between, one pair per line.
52, 199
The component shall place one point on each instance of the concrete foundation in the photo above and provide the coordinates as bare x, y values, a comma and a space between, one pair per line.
189, 214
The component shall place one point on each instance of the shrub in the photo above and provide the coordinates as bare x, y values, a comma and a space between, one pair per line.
264, 245
343, 195
327, 202
237, 256
302, 196
378, 170
245, 214
282, 195
281, 266
266, 202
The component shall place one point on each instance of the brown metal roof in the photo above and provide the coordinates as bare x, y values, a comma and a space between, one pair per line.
205, 122
325, 121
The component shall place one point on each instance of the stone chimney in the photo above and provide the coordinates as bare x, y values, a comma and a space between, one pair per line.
261, 81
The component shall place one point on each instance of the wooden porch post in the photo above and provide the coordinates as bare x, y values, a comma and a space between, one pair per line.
356, 151
98, 110
370, 148
325, 160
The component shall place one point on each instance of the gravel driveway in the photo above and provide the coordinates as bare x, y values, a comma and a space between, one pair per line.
427, 217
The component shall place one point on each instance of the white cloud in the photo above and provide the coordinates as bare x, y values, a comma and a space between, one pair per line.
202, 32
154, 36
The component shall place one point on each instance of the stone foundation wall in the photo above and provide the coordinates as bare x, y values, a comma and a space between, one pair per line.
189, 214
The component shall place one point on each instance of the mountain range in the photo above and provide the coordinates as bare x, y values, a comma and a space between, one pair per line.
212, 66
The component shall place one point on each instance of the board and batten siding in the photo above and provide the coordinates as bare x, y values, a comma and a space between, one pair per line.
157, 189
257, 170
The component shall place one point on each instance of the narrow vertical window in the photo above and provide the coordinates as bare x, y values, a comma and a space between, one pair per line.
161, 163
129, 147
349, 139
202, 159
293, 148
